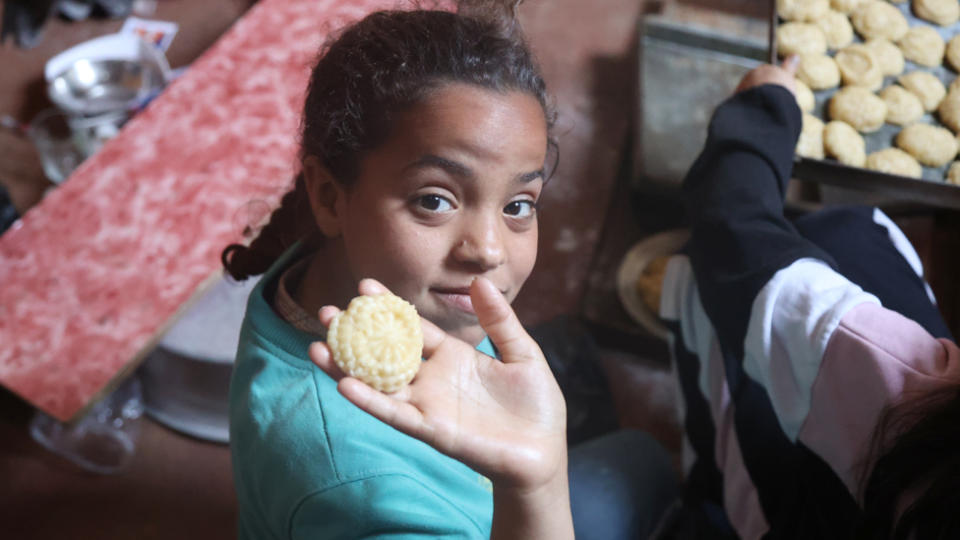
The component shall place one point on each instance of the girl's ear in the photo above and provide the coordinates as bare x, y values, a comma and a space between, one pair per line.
325, 196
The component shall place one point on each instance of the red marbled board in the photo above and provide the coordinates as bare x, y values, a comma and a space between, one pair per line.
91, 276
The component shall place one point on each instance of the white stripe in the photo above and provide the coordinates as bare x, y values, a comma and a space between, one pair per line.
680, 300
903, 245
783, 353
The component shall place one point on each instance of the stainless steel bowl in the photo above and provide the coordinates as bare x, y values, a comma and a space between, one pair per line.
99, 86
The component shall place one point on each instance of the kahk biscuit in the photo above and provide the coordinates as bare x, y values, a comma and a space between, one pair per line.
378, 340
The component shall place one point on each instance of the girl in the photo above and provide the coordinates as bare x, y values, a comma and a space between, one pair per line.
820, 382
425, 135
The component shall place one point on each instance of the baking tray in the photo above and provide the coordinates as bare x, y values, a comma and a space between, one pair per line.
931, 189
685, 71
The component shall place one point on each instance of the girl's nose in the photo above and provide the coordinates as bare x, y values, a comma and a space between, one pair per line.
481, 244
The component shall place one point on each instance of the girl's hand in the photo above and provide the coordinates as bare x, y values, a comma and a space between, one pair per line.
770, 74
505, 419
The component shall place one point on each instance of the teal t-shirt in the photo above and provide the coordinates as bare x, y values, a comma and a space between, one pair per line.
309, 464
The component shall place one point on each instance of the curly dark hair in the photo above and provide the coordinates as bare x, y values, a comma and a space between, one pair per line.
383, 64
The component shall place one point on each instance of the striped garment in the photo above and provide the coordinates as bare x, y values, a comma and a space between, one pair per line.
789, 339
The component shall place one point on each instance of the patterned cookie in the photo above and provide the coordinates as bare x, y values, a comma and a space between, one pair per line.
879, 20
894, 161
903, 106
949, 110
836, 27
926, 86
942, 12
805, 98
847, 6
810, 143
953, 174
923, 45
800, 38
843, 142
378, 340
858, 107
888, 55
933, 146
818, 71
953, 52
802, 10
859, 67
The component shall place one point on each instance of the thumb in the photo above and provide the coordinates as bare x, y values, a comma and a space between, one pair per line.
501, 324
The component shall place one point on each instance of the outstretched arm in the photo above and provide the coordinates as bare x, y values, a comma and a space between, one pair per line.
734, 194
505, 419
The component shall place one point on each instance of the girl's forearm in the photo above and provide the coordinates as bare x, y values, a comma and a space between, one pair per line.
541, 513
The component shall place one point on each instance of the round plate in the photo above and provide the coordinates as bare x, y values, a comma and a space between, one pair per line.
632, 265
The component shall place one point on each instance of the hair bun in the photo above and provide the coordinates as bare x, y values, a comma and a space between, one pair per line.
503, 13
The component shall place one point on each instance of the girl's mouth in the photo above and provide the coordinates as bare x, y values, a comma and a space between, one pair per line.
459, 299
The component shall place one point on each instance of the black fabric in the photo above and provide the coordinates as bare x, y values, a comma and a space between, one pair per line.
865, 255
704, 482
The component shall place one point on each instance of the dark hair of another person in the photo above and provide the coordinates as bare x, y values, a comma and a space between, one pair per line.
381, 65
913, 489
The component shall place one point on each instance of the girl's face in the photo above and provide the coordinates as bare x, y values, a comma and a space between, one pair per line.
448, 197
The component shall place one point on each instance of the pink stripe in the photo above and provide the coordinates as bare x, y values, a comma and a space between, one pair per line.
740, 498
874, 356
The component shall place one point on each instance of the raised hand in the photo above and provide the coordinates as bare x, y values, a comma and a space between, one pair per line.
770, 74
505, 419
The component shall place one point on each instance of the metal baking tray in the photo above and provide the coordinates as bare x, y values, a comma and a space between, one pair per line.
931, 189
685, 71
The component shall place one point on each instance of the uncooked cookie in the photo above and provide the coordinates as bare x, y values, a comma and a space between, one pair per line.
926, 86
805, 98
949, 110
953, 52
810, 143
903, 106
800, 38
802, 10
894, 161
859, 67
933, 146
379, 340
846, 6
942, 12
858, 107
843, 142
888, 55
836, 27
818, 71
879, 20
953, 174
923, 45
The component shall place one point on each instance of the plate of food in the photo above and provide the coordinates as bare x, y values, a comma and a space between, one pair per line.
640, 277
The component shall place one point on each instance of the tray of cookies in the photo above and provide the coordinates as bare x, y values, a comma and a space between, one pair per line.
877, 82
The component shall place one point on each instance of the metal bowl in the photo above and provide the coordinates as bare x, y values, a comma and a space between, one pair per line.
99, 86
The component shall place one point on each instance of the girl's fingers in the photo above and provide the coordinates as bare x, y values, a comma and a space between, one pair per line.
320, 355
326, 315
432, 337
370, 286
501, 324
387, 408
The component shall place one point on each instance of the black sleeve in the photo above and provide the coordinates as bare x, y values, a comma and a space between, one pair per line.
734, 194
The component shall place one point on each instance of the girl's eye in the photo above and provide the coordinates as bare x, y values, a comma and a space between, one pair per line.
434, 203
521, 209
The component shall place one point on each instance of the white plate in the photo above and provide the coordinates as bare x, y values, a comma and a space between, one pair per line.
636, 259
